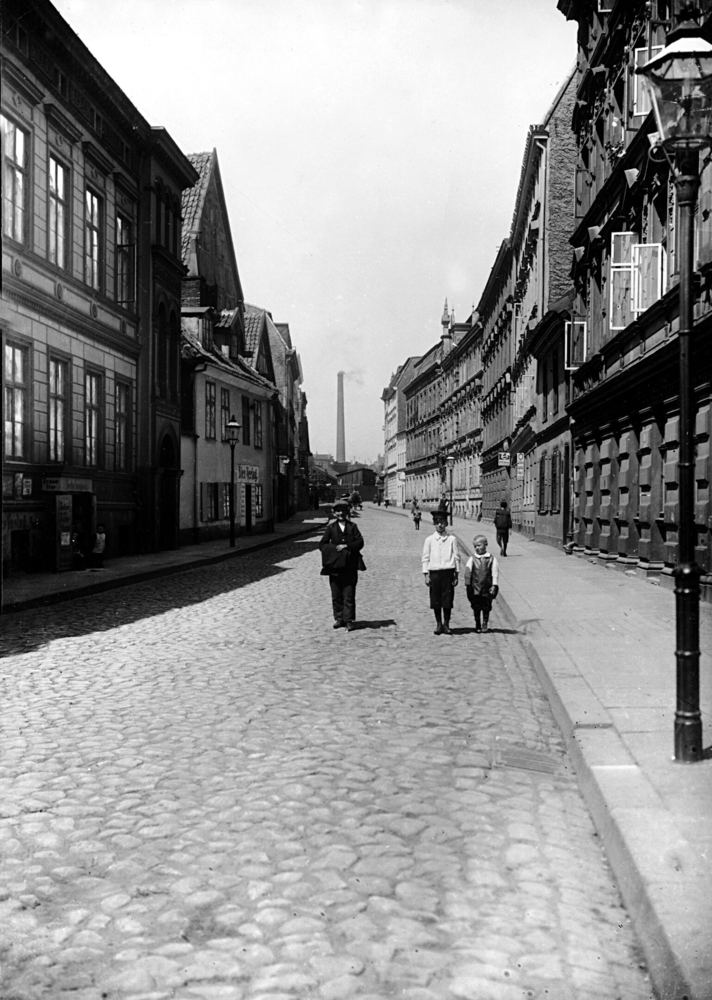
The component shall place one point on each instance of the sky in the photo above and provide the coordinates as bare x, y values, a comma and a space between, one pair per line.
370, 153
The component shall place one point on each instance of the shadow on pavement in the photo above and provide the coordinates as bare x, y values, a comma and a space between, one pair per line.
490, 630
384, 623
25, 631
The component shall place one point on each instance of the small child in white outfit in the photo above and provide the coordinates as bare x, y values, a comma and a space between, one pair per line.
481, 582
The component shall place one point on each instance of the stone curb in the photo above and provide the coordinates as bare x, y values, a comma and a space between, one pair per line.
155, 572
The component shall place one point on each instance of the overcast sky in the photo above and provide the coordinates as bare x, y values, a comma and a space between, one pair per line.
370, 152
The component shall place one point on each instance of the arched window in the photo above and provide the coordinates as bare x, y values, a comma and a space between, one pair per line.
162, 352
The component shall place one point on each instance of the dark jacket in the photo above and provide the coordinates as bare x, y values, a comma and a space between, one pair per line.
502, 519
352, 538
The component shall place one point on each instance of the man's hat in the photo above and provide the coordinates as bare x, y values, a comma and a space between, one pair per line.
341, 505
439, 515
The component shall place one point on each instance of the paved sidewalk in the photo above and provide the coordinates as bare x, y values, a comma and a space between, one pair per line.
33, 590
603, 644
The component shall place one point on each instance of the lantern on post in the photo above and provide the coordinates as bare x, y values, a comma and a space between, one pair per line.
679, 80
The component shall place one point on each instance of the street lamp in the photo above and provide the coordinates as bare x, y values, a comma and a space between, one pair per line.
232, 432
680, 84
450, 462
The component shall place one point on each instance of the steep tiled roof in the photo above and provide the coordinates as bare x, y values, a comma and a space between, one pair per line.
191, 348
192, 200
253, 325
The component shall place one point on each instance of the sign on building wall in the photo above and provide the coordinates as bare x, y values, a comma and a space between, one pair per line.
504, 460
520, 466
67, 484
248, 474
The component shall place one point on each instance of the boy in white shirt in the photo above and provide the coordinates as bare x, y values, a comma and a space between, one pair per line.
441, 566
481, 582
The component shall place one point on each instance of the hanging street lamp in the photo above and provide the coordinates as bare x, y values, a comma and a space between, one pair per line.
232, 430
679, 80
450, 462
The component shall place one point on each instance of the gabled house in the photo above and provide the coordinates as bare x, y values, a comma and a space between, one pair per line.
219, 380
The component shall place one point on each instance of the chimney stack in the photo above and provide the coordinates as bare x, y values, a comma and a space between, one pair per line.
340, 434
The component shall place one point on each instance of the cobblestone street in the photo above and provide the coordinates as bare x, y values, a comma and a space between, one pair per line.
207, 793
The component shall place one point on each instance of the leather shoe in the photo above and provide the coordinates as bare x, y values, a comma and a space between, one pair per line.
350, 626
438, 630
447, 630
339, 625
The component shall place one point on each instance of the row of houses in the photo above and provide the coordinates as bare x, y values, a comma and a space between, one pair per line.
559, 392
127, 342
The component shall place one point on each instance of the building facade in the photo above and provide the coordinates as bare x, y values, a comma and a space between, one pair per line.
394, 424
90, 304
624, 344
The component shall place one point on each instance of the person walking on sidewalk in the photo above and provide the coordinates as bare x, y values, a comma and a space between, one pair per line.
99, 547
341, 559
481, 582
441, 566
416, 514
503, 524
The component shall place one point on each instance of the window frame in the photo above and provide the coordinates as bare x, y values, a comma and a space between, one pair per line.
93, 240
56, 227
12, 388
124, 261
210, 415
53, 399
641, 97
257, 435
570, 363
18, 217
224, 411
122, 419
93, 446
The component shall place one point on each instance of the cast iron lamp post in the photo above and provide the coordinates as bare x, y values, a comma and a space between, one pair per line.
450, 462
232, 429
680, 83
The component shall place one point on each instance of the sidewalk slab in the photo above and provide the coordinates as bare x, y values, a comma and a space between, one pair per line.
603, 646
22, 593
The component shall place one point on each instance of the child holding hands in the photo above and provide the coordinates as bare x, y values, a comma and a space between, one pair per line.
481, 582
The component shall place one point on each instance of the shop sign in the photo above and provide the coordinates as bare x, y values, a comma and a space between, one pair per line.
248, 474
67, 484
520, 466
504, 459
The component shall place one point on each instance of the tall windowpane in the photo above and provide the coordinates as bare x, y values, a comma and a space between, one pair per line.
57, 212
258, 425
224, 413
16, 397
92, 240
210, 410
14, 169
57, 409
124, 260
92, 413
121, 423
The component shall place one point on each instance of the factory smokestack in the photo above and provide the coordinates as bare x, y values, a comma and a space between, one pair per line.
340, 434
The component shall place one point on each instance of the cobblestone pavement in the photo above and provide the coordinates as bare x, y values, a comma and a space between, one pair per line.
206, 793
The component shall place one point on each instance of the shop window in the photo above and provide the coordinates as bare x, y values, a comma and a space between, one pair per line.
224, 413
225, 501
125, 261
16, 377
14, 179
210, 410
92, 418
93, 240
122, 425
257, 493
58, 384
209, 501
58, 212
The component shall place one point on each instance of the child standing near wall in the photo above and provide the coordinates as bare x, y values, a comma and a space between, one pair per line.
481, 582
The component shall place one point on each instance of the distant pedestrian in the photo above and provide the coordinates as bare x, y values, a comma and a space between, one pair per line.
99, 547
443, 506
416, 514
481, 582
503, 524
441, 566
341, 559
